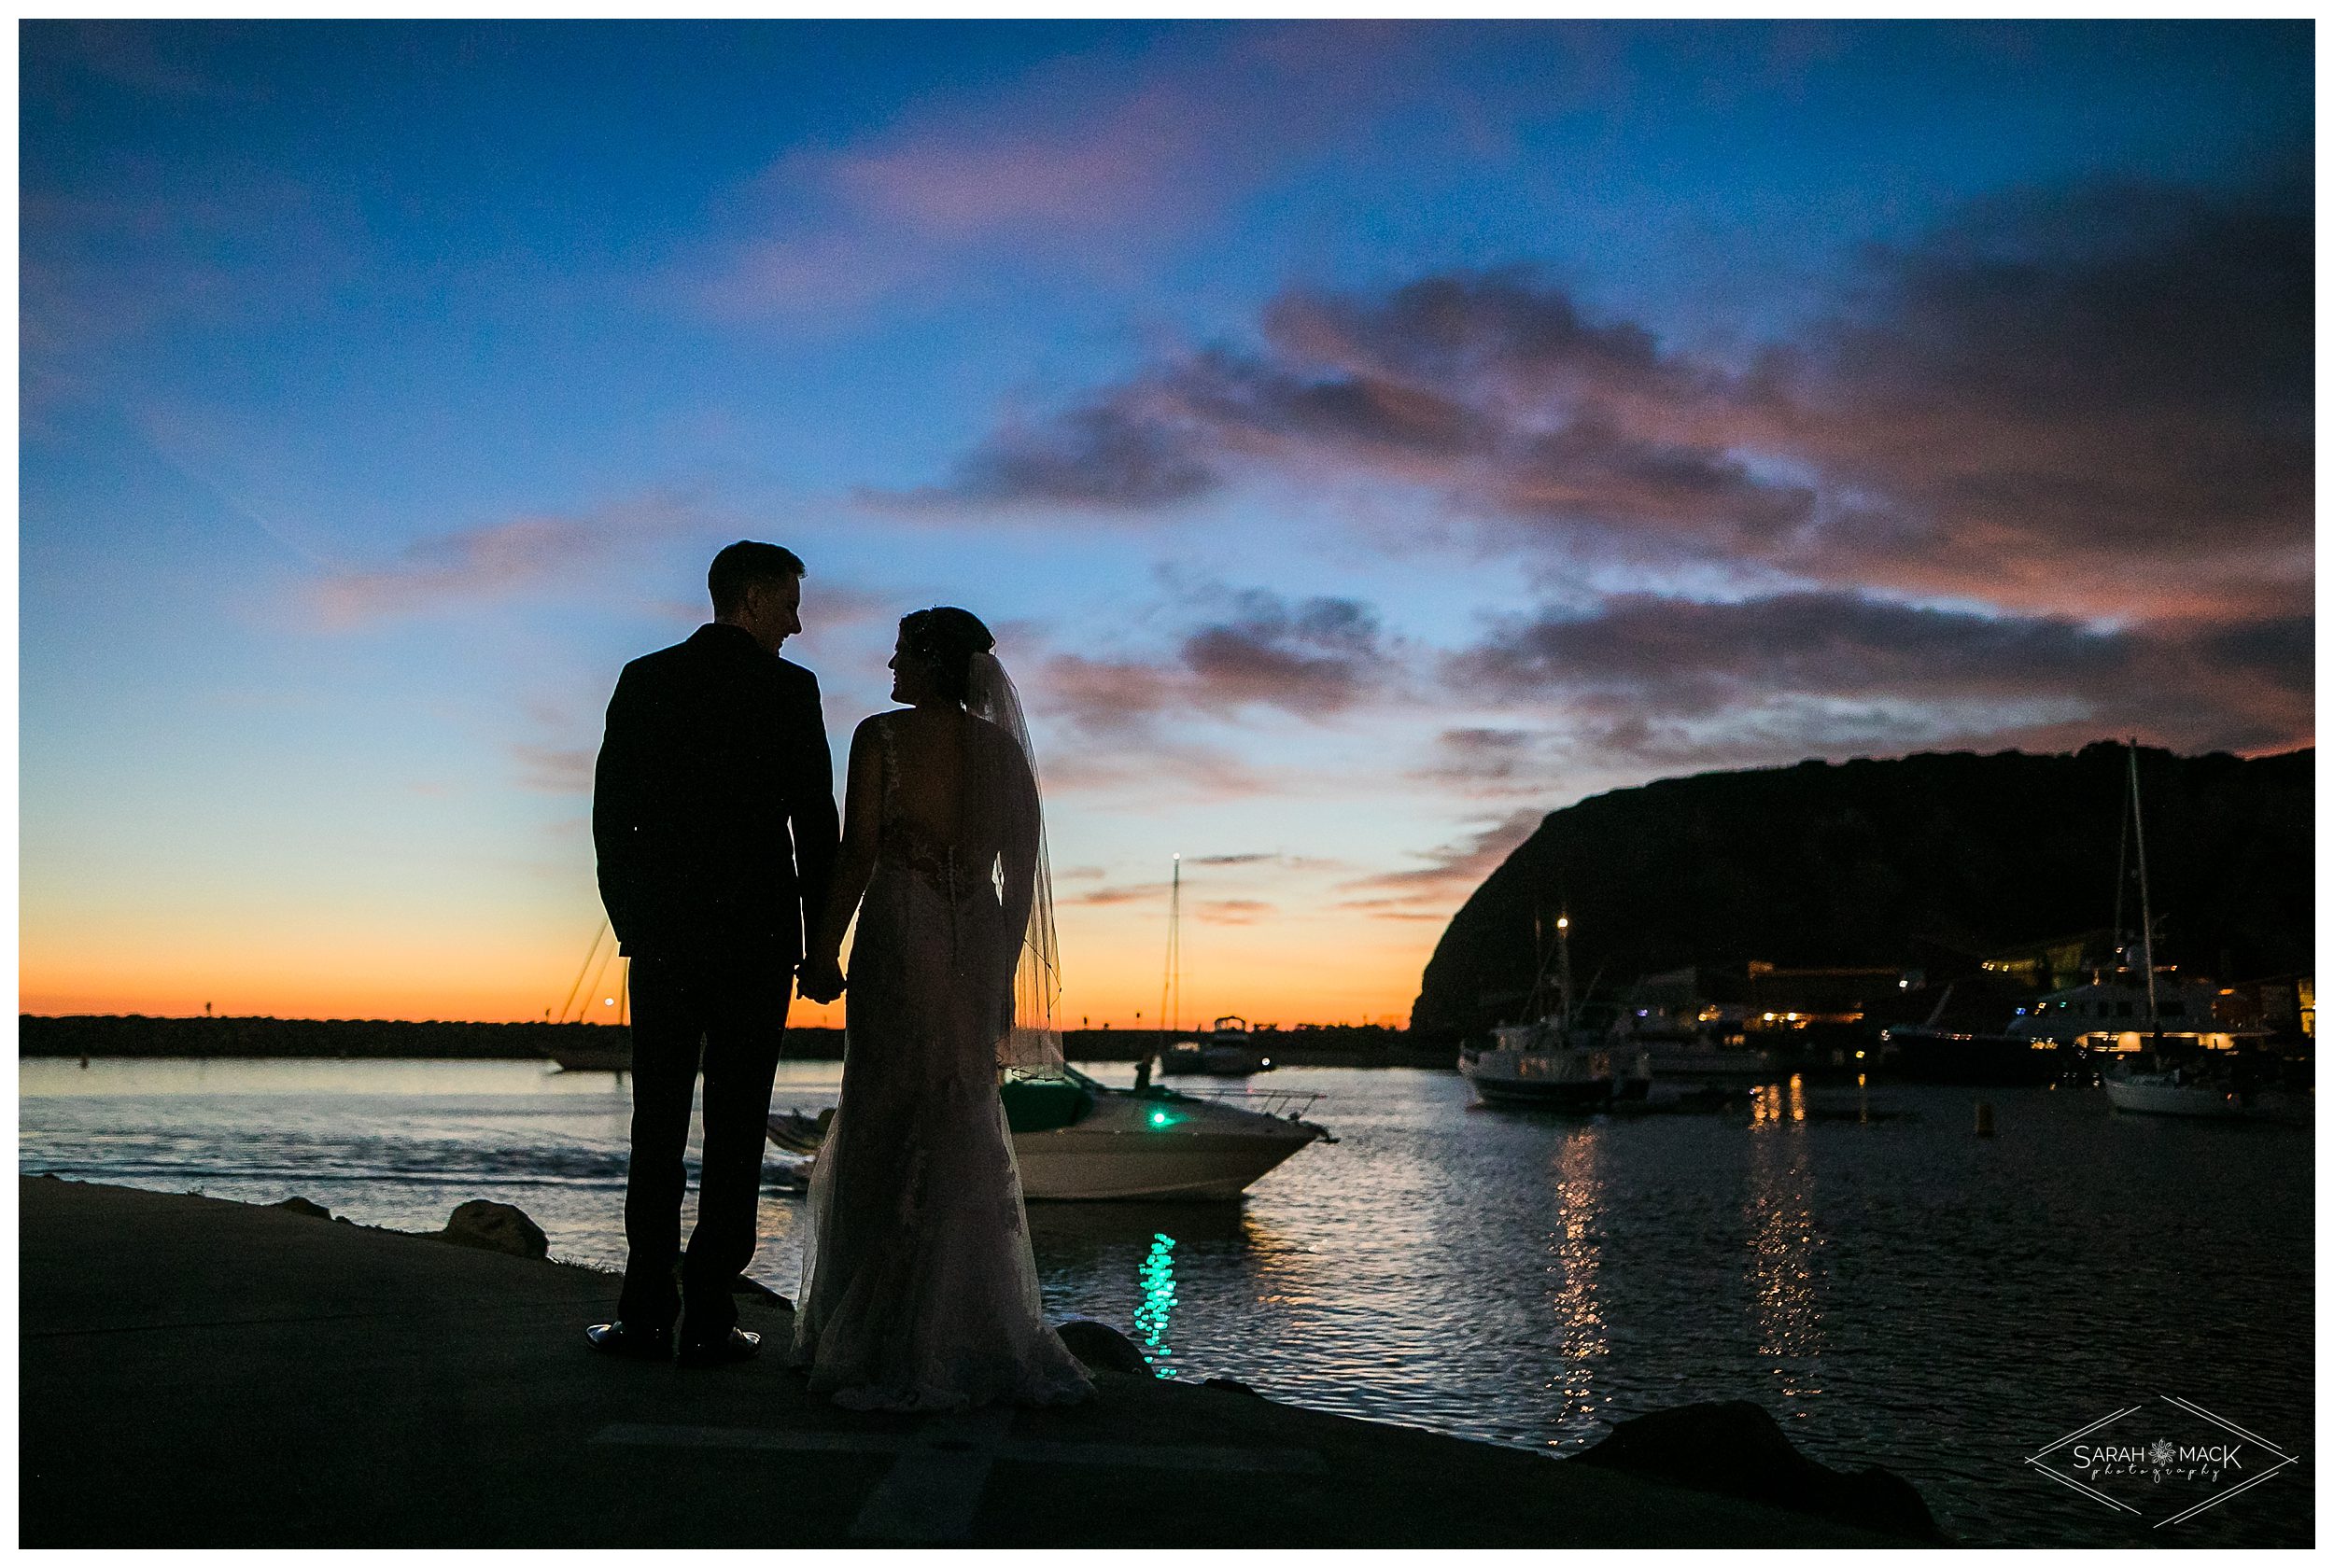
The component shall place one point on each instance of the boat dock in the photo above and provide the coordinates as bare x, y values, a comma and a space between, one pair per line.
201, 1373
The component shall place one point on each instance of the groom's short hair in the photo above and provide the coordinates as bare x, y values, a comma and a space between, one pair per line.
740, 566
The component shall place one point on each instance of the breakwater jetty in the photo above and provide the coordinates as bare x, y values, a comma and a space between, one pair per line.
200, 1373
141, 1035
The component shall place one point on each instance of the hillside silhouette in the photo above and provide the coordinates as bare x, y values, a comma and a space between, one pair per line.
1879, 862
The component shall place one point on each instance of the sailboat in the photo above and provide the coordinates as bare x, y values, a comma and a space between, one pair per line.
1230, 1048
615, 1055
2190, 1069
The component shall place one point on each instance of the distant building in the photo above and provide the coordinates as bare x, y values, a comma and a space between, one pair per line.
2057, 962
2283, 1006
1759, 998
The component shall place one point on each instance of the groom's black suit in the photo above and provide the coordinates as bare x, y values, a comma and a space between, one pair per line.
713, 814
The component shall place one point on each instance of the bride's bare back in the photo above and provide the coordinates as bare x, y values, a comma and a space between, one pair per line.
948, 796
957, 783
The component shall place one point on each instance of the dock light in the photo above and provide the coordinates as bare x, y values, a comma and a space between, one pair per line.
1563, 922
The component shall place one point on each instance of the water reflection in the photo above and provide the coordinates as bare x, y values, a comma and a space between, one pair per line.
1578, 1246
1774, 1104
1785, 1278
1157, 1304
1179, 1258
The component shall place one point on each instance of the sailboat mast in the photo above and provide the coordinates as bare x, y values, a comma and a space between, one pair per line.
1564, 965
1171, 983
2147, 917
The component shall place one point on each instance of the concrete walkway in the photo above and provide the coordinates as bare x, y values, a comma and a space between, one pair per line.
199, 1373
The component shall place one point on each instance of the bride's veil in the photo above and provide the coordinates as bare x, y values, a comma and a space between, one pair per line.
1031, 1044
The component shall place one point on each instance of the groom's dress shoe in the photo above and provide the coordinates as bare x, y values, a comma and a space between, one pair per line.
741, 1344
640, 1344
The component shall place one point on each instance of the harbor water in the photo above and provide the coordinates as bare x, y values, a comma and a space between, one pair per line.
1894, 1290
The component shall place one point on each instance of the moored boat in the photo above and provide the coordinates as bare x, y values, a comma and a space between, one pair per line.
2219, 1086
1228, 1050
1076, 1139
1528, 1067
1924, 1053
1563, 1060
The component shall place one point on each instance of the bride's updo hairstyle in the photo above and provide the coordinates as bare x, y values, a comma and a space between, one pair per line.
945, 639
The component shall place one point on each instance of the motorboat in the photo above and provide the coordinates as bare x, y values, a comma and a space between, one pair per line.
1228, 1051
1076, 1139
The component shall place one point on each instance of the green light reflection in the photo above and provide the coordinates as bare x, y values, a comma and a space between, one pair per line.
1158, 1279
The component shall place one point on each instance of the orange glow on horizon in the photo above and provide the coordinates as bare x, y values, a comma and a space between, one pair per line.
1324, 976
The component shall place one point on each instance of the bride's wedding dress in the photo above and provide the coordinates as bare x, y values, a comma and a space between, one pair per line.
919, 1288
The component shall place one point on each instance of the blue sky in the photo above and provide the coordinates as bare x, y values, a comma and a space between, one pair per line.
1365, 438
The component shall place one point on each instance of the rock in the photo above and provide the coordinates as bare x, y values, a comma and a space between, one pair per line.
1102, 1348
495, 1227
1735, 1448
299, 1205
1231, 1385
756, 1288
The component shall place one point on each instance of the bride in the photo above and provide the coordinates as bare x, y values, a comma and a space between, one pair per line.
919, 1290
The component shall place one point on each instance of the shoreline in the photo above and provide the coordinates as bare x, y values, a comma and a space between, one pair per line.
137, 1036
200, 1372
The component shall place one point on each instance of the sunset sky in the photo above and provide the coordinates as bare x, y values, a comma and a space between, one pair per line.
1365, 438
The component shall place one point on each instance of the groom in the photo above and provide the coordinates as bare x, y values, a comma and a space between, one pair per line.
713, 814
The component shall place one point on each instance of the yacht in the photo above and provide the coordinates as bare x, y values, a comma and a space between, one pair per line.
1230, 1050
1078, 1138
2117, 1015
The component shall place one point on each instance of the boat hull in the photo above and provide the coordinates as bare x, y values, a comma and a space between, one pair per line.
2152, 1095
616, 1058
1546, 1097
1976, 1062
1666, 1061
1157, 1147
1099, 1165
1562, 1079
2146, 1099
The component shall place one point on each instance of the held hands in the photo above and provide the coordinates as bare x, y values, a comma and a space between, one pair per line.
820, 978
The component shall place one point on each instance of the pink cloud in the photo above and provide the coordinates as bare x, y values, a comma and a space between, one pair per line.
494, 561
1086, 160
